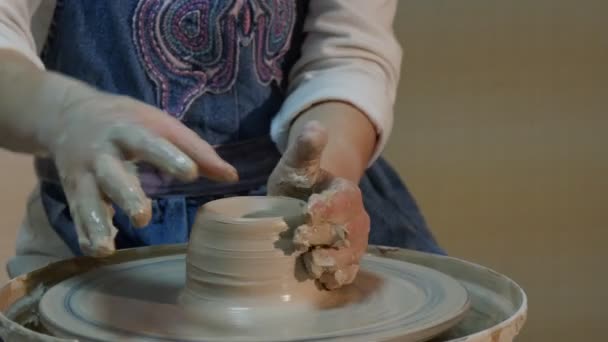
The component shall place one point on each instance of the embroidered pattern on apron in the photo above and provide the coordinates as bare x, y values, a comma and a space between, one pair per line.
191, 47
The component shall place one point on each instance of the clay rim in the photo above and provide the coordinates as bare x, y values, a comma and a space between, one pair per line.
230, 211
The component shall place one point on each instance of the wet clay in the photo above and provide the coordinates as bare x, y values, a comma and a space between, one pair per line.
241, 254
243, 280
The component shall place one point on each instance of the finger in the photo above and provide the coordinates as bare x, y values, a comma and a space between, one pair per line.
334, 214
324, 234
93, 218
335, 267
123, 188
358, 230
319, 261
300, 167
209, 163
339, 278
306, 151
345, 256
332, 267
295, 183
136, 142
338, 203
70, 186
330, 212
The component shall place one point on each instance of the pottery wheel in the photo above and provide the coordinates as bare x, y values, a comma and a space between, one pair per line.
138, 301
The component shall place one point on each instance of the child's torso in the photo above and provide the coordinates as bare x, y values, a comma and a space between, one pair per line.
218, 65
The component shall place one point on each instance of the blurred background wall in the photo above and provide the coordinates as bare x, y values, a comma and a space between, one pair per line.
501, 133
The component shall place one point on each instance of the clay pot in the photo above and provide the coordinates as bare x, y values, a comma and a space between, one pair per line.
244, 282
241, 265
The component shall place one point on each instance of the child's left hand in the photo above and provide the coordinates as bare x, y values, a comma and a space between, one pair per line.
336, 237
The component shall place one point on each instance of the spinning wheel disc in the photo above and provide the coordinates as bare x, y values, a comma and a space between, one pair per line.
137, 301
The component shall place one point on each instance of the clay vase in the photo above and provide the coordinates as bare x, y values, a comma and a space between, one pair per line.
241, 267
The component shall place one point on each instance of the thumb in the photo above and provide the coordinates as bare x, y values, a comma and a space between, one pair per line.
305, 152
300, 168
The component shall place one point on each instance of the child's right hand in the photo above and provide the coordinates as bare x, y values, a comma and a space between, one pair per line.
94, 138
94, 143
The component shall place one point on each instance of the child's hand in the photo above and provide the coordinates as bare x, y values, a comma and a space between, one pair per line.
95, 138
337, 235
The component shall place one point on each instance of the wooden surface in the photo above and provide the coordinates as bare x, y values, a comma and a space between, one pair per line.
501, 133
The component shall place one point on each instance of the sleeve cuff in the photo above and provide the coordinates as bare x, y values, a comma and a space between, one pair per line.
355, 87
15, 28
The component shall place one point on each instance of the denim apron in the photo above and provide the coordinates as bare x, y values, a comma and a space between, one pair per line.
220, 67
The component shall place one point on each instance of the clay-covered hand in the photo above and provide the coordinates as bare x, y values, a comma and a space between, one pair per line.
336, 235
94, 138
